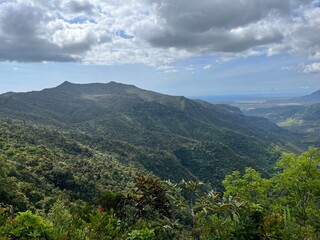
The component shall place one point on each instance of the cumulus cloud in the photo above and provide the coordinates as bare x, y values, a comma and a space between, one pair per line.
217, 26
21, 35
304, 38
81, 7
312, 68
155, 32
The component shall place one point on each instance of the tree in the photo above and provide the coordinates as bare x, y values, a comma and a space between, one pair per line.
28, 226
250, 187
298, 186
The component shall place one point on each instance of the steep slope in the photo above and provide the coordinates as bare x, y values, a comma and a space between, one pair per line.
275, 113
308, 99
153, 129
306, 120
301, 119
278, 110
43, 164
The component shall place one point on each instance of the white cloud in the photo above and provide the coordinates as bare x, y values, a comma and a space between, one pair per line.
229, 26
302, 33
167, 69
155, 32
288, 68
312, 68
208, 66
189, 68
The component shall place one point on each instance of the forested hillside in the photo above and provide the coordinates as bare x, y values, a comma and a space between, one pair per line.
299, 115
174, 137
112, 161
42, 165
94, 203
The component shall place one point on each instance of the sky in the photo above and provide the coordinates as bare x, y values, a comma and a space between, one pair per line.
177, 47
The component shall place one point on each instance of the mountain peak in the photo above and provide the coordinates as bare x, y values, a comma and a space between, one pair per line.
111, 83
97, 91
114, 83
66, 83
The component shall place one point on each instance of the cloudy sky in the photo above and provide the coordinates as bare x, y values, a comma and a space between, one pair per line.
180, 47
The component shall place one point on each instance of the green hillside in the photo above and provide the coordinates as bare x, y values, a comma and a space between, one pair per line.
42, 165
305, 121
299, 115
153, 129
93, 162
55, 188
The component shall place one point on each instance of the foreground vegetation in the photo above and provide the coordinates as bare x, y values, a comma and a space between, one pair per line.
284, 206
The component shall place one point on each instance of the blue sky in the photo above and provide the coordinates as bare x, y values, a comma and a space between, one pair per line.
182, 47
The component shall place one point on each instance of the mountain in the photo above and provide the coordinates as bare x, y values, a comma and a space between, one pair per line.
172, 136
274, 113
308, 99
306, 120
278, 110
300, 115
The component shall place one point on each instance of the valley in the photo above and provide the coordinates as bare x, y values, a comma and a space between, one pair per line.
83, 146
299, 114
153, 130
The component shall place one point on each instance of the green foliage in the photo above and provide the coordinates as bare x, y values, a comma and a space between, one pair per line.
28, 226
104, 225
61, 218
4, 215
143, 234
298, 185
36, 170
214, 227
252, 207
250, 187
110, 200
285, 206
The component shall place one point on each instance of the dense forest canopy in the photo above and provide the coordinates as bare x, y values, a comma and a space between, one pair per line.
284, 206
111, 161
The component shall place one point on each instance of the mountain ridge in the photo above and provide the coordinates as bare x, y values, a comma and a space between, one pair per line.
159, 128
308, 99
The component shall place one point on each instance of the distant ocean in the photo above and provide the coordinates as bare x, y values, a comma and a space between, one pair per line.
233, 98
